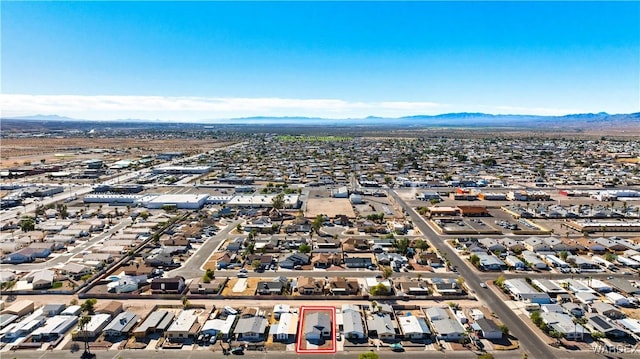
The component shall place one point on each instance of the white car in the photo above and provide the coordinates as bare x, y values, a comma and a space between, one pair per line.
483, 284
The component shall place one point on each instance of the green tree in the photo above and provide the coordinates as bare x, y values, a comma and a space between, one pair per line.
27, 224
596, 335
82, 324
278, 201
499, 281
475, 260
379, 289
304, 248
556, 335
610, 257
421, 244
317, 223
504, 329
386, 272
89, 306
209, 273
564, 255
402, 245
485, 356
255, 264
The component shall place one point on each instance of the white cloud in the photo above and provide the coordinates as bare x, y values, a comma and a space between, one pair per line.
184, 108
196, 108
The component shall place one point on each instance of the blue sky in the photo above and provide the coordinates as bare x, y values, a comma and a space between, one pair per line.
206, 60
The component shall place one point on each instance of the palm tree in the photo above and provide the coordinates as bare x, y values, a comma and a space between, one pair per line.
84, 321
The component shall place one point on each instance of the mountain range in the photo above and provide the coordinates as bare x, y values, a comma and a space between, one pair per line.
461, 119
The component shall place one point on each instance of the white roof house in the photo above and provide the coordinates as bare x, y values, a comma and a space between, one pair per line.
215, 326
352, 324
94, 327
617, 299
448, 329
287, 326
414, 327
181, 327
630, 324
54, 327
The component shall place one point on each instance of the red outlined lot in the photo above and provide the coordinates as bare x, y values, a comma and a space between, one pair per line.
330, 346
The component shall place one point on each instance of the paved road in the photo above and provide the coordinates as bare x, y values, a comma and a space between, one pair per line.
529, 341
192, 267
204, 354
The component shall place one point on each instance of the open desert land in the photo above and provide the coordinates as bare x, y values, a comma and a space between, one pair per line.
22, 151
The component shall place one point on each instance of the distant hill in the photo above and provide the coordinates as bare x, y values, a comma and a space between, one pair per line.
574, 122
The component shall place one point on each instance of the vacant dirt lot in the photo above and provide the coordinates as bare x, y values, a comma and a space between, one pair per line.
20, 150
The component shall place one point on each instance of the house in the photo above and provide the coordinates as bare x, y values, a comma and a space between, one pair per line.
600, 323
514, 262
26, 255
617, 299
280, 309
235, 245
173, 285
317, 326
263, 259
624, 286
521, 290
251, 328
573, 309
286, 329
353, 244
563, 323
352, 325
121, 325
126, 284
51, 310
92, 329
295, 259
20, 308
548, 287
430, 259
159, 257
413, 287
310, 286
446, 286
534, 261
112, 308
75, 270
54, 328
490, 262
184, 327
269, 288
343, 286
322, 260
381, 326
197, 286
607, 310
41, 279
448, 329
213, 327
156, 322
488, 329
414, 328
535, 244
492, 245
358, 262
